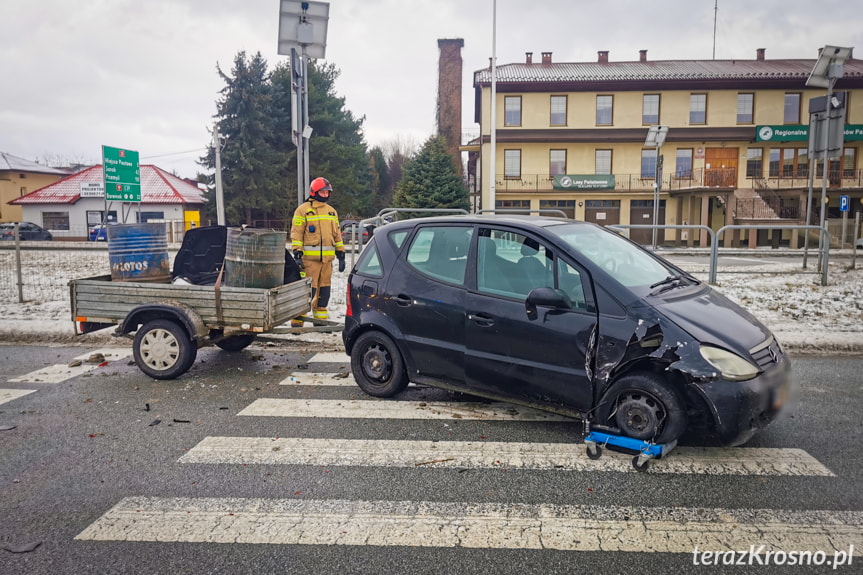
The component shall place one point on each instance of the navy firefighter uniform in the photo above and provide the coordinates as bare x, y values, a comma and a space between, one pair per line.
316, 241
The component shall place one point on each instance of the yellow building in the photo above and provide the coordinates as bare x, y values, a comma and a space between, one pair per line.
19, 177
571, 136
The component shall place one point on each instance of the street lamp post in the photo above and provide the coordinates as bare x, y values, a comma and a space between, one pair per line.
655, 139
828, 69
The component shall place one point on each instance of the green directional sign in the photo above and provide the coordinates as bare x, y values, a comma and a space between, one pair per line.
800, 133
122, 175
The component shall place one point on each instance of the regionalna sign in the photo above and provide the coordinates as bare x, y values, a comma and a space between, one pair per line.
800, 133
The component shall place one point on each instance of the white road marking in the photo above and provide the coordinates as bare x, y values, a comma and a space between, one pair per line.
10, 394
317, 378
331, 357
60, 372
474, 525
491, 454
393, 409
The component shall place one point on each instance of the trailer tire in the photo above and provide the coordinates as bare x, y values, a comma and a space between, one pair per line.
236, 342
163, 349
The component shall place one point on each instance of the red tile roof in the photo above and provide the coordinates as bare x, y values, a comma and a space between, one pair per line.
157, 187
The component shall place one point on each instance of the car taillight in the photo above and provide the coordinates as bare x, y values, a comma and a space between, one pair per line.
349, 312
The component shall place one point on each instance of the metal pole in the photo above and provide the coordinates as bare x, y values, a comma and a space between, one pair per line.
812, 164
305, 140
298, 111
854, 244
844, 227
18, 263
220, 198
826, 164
493, 111
657, 184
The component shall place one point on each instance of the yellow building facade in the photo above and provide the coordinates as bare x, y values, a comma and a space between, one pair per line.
571, 136
19, 177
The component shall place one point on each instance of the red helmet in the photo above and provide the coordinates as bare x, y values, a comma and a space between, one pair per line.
318, 185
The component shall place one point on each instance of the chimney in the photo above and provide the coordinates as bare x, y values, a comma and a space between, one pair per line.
759, 54
603, 56
642, 55
528, 57
449, 95
546, 57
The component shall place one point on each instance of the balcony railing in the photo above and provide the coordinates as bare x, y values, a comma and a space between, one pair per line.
800, 179
698, 178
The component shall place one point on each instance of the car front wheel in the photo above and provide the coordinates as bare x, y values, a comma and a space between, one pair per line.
643, 406
378, 366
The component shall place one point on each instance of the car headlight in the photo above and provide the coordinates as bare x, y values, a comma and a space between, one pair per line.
731, 365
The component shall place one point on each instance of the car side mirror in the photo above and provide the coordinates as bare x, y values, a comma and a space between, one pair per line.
546, 297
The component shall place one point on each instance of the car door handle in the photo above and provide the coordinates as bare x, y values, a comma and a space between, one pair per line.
481, 319
403, 300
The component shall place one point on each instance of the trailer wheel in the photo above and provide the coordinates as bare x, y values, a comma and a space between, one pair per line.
163, 350
236, 342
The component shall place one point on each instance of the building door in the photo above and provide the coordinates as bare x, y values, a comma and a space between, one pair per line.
720, 167
641, 213
602, 212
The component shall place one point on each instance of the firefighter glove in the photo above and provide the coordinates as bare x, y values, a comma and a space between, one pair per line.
298, 257
341, 257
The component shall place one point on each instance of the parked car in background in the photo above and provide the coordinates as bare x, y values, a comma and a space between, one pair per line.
26, 231
859, 244
348, 228
98, 233
559, 315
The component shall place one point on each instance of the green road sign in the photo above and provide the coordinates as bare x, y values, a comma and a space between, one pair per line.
800, 133
122, 175
583, 182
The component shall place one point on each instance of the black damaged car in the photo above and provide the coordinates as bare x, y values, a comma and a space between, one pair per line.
563, 316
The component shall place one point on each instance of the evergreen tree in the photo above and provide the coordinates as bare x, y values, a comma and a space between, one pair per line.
337, 150
431, 180
251, 163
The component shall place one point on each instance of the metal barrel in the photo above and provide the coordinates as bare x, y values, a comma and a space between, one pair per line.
255, 258
139, 253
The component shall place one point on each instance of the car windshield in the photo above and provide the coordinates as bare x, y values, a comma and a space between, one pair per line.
619, 258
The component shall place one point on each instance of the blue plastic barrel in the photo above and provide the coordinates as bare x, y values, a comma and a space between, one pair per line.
139, 253
255, 258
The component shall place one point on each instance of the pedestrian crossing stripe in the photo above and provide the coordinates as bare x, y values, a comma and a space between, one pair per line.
395, 409
7, 395
474, 525
330, 357
61, 372
493, 455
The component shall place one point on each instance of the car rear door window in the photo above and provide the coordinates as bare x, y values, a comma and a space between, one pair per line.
441, 252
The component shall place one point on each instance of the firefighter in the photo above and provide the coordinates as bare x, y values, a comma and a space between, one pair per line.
316, 240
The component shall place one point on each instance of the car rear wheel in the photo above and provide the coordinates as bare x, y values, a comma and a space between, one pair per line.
378, 366
163, 350
644, 407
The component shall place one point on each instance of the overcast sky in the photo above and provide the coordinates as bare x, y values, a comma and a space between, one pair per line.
141, 74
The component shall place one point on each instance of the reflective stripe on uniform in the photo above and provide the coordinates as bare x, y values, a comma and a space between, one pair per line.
318, 218
320, 314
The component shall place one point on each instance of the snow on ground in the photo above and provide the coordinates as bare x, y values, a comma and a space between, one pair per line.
804, 316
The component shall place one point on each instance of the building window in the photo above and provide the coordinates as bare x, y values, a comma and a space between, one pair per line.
514, 204
557, 162
55, 220
512, 163
603, 162
648, 163
604, 110
650, 109
791, 114
558, 111
144, 217
683, 165
745, 104
22, 191
698, 108
849, 162
802, 169
567, 206
512, 111
773, 166
754, 158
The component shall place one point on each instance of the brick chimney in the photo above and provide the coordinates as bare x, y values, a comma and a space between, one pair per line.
759, 54
528, 57
546, 57
642, 55
603, 56
449, 95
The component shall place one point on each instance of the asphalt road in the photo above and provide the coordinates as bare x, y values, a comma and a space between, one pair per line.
86, 471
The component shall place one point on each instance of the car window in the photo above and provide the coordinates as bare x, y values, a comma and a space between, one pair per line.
441, 252
398, 238
370, 262
511, 264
